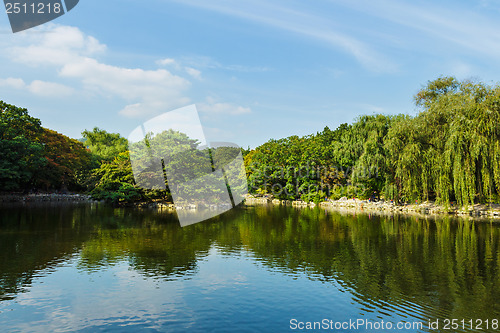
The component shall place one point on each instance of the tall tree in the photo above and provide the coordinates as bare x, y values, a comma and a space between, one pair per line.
20, 150
68, 165
450, 150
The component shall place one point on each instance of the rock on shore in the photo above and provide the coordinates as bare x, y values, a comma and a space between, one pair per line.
478, 210
46, 197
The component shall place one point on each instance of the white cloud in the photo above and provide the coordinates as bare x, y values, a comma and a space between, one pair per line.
152, 87
222, 108
75, 57
166, 62
148, 108
193, 72
49, 89
72, 53
58, 46
37, 87
133, 110
12, 83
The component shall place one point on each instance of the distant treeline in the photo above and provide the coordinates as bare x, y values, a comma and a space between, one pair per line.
448, 152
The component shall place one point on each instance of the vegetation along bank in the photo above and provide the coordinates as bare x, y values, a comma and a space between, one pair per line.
448, 154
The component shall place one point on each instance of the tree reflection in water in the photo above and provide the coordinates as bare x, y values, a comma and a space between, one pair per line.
434, 267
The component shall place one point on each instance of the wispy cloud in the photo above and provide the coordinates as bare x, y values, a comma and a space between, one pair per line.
309, 25
193, 72
472, 31
38, 87
210, 63
212, 106
167, 62
467, 28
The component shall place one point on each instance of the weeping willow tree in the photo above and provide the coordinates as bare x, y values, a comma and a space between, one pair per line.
367, 138
451, 150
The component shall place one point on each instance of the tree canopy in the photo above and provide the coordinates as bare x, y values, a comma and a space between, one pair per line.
449, 151
36, 157
104, 144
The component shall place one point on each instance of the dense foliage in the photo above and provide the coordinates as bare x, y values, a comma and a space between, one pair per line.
33, 157
448, 152
349, 161
451, 150
103, 144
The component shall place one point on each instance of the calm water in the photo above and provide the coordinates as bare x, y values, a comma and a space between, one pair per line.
95, 268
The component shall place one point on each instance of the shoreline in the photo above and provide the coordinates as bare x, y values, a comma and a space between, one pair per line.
44, 197
478, 211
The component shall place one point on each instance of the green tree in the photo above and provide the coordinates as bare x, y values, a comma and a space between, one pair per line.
114, 181
20, 149
451, 149
104, 144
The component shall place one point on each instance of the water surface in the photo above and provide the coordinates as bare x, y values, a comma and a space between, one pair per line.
94, 268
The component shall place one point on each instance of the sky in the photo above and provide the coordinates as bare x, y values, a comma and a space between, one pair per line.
255, 69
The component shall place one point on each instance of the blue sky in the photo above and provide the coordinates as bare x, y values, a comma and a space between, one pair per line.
255, 69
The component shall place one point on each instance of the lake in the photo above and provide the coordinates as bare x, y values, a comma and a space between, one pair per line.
91, 268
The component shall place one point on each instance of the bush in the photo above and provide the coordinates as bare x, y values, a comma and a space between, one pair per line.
117, 193
316, 197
